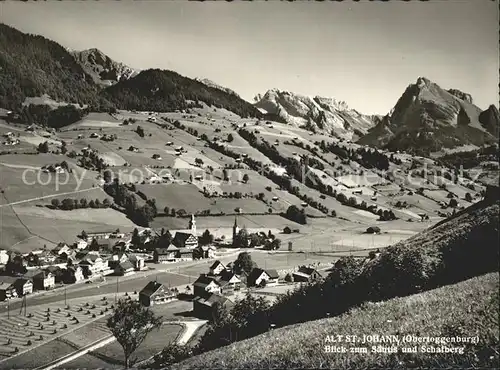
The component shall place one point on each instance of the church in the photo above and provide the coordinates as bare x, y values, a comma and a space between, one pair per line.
186, 238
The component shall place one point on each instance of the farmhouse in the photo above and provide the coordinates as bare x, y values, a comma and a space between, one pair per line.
61, 248
306, 274
124, 268
81, 244
185, 240
168, 254
258, 276
204, 251
155, 293
23, 286
184, 254
206, 285
204, 307
57, 272
99, 235
217, 268
137, 262
4, 257
7, 291
229, 282
42, 280
73, 274
93, 264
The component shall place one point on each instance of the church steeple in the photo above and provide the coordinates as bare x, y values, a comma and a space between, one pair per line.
236, 229
192, 225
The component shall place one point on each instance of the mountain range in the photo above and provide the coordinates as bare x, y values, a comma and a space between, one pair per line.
425, 119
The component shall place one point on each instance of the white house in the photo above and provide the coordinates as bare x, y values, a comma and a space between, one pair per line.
81, 244
217, 268
4, 257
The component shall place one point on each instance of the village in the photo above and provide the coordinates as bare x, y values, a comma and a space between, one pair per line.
94, 256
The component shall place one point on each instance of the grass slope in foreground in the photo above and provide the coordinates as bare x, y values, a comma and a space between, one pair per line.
466, 309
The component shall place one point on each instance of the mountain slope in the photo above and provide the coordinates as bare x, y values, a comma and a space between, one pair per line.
460, 248
104, 70
466, 309
316, 113
427, 118
210, 83
32, 65
163, 91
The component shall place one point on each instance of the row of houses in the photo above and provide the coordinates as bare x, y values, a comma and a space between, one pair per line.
69, 267
221, 282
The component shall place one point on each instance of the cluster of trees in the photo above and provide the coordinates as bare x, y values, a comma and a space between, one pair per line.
45, 116
91, 160
141, 215
246, 240
68, 204
293, 213
167, 91
172, 212
189, 130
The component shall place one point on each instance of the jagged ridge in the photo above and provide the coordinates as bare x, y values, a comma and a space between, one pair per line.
102, 68
316, 113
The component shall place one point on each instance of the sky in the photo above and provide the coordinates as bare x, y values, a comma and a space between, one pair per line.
364, 53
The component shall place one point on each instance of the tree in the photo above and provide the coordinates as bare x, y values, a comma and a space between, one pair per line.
84, 234
64, 148
94, 245
55, 203
276, 244
241, 239
140, 131
131, 323
468, 197
295, 214
136, 239
83, 203
453, 203
166, 210
230, 138
107, 176
43, 147
244, 263
206, 238
245, 178
287, 230
67, 204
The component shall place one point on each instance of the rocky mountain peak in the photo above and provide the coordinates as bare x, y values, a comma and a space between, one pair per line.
461, 95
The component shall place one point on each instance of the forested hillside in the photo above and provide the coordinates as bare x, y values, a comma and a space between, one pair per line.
33, 65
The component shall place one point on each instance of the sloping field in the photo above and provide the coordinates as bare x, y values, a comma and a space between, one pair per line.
471, 306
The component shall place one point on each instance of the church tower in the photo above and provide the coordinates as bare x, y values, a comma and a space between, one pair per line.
192, 225
236, 229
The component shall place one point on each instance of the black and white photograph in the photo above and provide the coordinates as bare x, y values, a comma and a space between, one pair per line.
249, 184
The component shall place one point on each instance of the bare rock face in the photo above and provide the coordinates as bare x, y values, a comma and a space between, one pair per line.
461, 95
428, 118
490, 119
104, 70
315, 113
